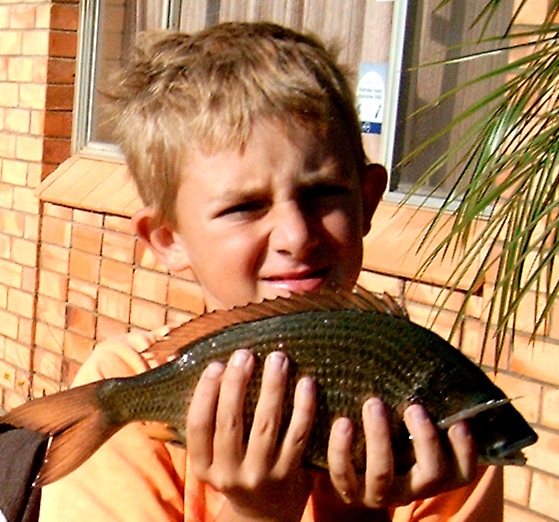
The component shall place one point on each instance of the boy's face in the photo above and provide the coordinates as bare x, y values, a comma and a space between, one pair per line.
285, 213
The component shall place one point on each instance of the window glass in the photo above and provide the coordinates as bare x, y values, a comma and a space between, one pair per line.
434, 34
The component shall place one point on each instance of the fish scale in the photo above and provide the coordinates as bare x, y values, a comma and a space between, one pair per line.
354, 346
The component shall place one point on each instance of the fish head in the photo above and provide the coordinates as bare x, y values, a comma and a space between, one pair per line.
500, 434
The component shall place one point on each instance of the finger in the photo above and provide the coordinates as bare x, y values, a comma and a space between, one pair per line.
228, 440
340, 466
263, 437
300, 427
430, 467
464, 451
200, 422
379, 473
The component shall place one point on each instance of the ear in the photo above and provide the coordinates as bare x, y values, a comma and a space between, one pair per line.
373, 184
162, 239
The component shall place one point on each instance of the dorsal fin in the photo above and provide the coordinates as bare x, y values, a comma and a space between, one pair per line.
359, 299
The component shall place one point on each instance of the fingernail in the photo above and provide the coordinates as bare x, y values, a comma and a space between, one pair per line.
461, 430
240, 358
214, 369
306, 385
342, 426
418, 413
277, 361
375, 408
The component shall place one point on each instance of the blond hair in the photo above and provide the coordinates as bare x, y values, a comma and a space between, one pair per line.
209, 88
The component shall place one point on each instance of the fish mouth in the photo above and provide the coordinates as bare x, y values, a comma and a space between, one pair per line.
299, 282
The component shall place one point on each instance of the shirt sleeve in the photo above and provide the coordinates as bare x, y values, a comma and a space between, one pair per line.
131, 477
480, 501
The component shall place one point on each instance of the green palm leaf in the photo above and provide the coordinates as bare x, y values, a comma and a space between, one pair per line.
505, 194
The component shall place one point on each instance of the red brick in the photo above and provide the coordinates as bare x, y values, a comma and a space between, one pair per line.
87, 239
12, 223
526, 394
80, 321
48, 364
12, 399
517, 484
64, 16
25, 330
58, 211
10, 273
516, 514
29, 279
61, 71
17, 354
85, 217
185, 295
149, 285
50, 310
8, 324
550, 408
49, 337
69, 371
544, 455
63, 44
21, 303
114, 304
23, 17
544, 495
55, 258
58, 124
43, 385
60, 97
84, 266
56, 231
116, 275
24, 252
538, 360
77, 347
85, 289
107, 328
53, 285
25, 200
118, 224
81, 300
146, 315
32, 96
119, 247
56, 150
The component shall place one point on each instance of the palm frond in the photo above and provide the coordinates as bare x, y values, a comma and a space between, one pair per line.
505, 172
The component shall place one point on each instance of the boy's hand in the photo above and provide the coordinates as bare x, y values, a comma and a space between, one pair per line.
260, 480
434, 471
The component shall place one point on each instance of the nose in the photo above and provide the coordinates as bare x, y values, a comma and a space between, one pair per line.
292, 230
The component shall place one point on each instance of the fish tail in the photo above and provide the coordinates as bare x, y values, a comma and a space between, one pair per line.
76, 423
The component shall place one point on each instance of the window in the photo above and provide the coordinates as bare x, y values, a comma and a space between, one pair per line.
361, 29
433, 34
383, 37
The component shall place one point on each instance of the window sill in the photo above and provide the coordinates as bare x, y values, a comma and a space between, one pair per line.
391, 246
99, 185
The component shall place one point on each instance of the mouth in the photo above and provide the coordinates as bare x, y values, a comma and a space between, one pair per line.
299, 282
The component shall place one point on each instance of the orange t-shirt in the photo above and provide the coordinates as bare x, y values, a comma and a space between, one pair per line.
133, 478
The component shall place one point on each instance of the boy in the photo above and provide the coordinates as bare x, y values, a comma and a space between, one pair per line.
246, 149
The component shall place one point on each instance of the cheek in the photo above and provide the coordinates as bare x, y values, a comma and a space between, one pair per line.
344, 227
241, 249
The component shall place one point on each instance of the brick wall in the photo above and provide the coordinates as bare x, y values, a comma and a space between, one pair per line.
70, 277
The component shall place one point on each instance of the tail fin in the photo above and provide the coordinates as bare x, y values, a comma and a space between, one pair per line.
76, 423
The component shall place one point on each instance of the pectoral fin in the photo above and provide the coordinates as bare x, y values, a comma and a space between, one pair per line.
468, 413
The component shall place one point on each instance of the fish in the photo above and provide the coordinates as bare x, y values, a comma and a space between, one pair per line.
354, 344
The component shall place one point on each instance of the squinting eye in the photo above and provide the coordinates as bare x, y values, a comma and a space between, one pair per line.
244, 209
